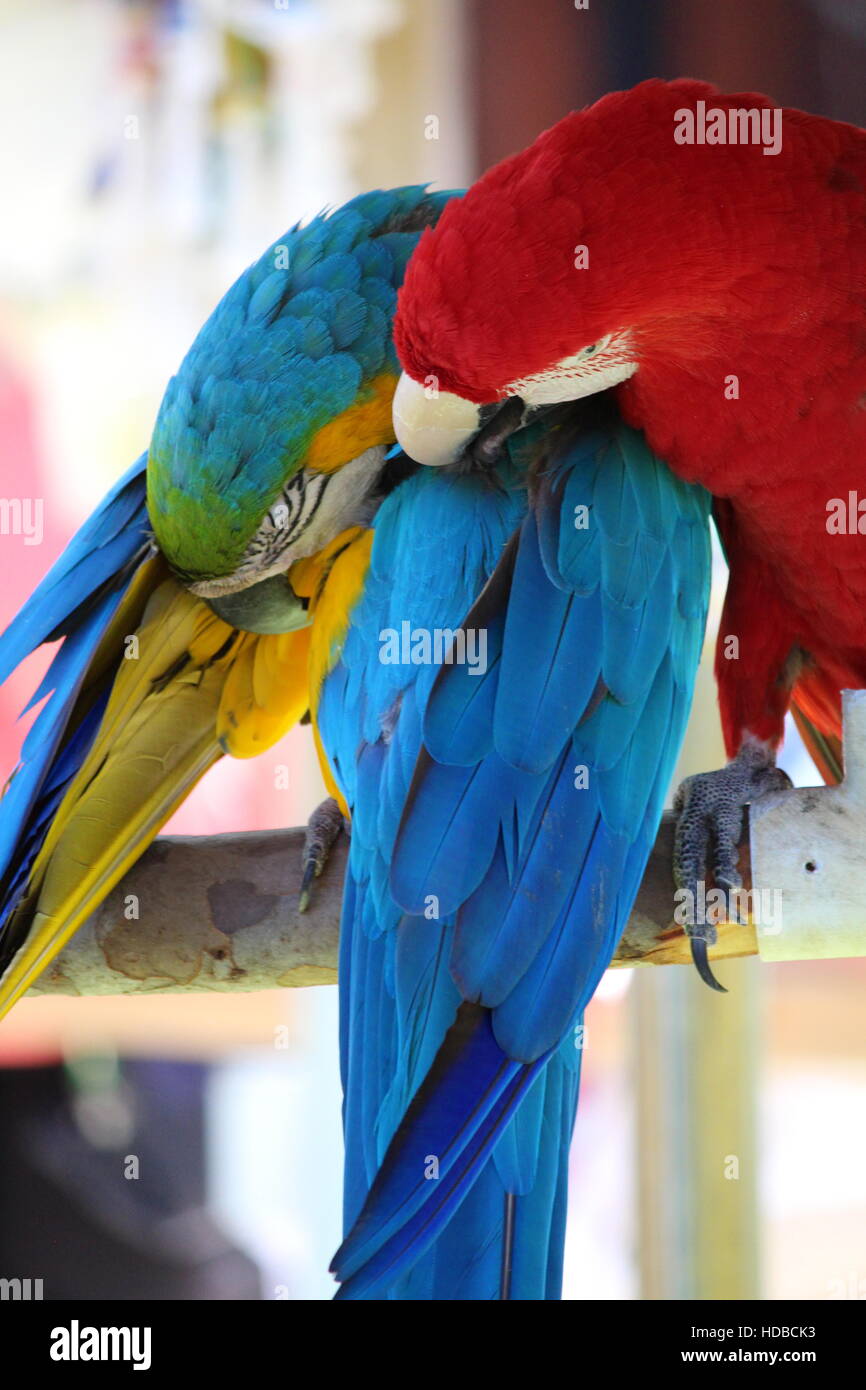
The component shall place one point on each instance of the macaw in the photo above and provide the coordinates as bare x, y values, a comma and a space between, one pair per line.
504, 799
502, 810
181, 637
702, 255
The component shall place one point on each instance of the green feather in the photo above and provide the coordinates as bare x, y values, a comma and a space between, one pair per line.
290, 347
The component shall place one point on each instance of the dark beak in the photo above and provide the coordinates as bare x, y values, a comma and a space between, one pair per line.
267, 607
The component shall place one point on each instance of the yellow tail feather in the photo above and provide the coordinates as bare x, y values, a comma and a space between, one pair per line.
184, 692
187, 687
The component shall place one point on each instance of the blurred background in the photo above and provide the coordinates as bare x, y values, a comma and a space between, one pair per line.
190, 1148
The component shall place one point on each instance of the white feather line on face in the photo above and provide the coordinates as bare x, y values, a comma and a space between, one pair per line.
594, 368
311, 511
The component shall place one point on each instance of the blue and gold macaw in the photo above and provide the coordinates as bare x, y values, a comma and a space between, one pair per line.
504, 803
181, 637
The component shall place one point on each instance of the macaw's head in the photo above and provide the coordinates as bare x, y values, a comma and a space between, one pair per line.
271, 438
624, 243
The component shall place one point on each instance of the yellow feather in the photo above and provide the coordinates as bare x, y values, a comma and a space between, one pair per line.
270, 674
366, 422
327, 775
187, 688
157, 738
333, 593
333, 582
258, 707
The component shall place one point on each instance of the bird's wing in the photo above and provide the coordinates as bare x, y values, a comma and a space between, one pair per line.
816, 706
531, 813
147, 690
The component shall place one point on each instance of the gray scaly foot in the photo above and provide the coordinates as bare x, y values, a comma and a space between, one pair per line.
709, 808
323, 827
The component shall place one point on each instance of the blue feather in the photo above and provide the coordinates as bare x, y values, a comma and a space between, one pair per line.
77, 600
515, 872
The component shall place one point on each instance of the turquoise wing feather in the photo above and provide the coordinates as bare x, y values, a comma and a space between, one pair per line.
76, 602
284, 352
502, 823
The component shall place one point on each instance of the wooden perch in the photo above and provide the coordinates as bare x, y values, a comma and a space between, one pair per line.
215, 913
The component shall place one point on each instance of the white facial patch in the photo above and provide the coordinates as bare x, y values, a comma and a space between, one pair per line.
312, 509
595, 368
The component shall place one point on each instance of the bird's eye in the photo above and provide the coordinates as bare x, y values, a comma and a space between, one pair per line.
594, 348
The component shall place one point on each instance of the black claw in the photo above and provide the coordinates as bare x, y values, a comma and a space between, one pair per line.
306, 885
700, 956
323, 828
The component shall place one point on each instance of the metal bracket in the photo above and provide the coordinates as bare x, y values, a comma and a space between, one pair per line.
808, 849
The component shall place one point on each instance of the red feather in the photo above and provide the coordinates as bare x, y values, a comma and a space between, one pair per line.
724, 263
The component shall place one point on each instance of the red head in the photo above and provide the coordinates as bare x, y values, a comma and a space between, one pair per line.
612, 248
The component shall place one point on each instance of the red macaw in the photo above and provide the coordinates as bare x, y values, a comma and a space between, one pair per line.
704, 255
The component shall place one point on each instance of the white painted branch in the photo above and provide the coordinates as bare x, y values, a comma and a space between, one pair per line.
809, 859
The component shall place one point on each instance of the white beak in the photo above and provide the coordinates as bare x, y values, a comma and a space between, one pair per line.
432, 426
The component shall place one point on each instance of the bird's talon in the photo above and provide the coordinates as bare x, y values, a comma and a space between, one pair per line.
323, 827
306, 885
701, 958
710, 821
